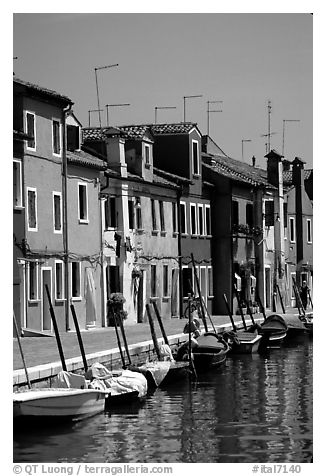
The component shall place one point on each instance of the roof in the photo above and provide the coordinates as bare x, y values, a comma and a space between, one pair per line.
170, 177
176, 128
288, 176
43, 91
84, 159
135, 131
236, 170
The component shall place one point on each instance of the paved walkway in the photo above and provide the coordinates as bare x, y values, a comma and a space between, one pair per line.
43, 350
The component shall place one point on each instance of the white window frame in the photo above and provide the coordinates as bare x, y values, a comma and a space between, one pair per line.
57, 194
196, 174
79, 297
292, 221
34, 132
193, 232
207, 207
31, 189
18, 198
36, 298
183, 204
162, 215
174, 217
55, 119
209, 279
154, 224
61, 264
309, 230
201, 207
83, 220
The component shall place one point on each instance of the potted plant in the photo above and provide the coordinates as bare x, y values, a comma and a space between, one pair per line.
115, 308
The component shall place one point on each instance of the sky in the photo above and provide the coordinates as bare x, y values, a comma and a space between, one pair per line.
241, 59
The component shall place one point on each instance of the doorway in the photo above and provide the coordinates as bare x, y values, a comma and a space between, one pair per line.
46, 316
267, 288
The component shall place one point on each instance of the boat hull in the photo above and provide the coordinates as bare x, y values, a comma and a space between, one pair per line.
273, 331
210, 352
58, 404
246, 346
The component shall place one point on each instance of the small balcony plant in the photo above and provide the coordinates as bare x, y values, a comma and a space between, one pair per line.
115, 308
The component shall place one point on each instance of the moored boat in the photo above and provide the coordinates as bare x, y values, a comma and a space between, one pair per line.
242, 342
273, 331
209, 350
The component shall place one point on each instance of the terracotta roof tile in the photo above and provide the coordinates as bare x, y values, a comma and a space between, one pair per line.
79, 157
288, 176
42, 90
177, 128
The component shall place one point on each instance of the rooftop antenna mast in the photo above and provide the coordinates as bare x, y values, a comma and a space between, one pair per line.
97, 89
89, 115
269, 109
113, 105
162, 107
209, 111
184, 103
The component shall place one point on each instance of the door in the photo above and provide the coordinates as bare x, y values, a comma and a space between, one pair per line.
174, 293
46, 316
267, 288
140, 297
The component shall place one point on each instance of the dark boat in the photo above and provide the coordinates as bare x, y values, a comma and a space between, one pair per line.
273, 331
209, 350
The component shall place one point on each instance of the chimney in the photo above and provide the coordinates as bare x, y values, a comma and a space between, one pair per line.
297, 172
274, 168
115, 147
253, 161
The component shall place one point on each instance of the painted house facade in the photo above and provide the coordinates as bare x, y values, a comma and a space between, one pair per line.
177, 150
298, 226
38, 188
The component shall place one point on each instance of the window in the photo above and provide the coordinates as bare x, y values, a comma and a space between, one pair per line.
285, 213
17, 182
201, 220
59, 288
110, 213
30, 130
193, 219
195, 158
309, 231
73, 138
147, 155
208, 220
269, 213
75, 280
293, 277
131, 214
139, 224
210, 281
82, 203
165, 280
174, 218
32, 281
57, 213
56, 137
153, 280
186, 282
32, 209
154, 225
250, 215
292, 229
235, 212
161, 204
112, 280
183, 218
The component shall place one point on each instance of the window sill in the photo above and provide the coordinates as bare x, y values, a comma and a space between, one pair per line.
57, 232
111, 228
155, 232
34, 301
79, 298
19, 208
59, 300
139, 231
195, 236
175, 234
163, 233
147, 166
83, 222
184, 235
196, 176
154, 299
32, 229
166, 298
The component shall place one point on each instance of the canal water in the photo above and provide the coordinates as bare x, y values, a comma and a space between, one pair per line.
255, 409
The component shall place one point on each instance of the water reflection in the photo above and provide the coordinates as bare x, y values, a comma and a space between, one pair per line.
256, 408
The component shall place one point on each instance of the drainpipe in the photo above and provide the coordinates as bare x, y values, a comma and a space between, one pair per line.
65, 215
179, 193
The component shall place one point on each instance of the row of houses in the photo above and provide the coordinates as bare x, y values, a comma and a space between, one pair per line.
136, 208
